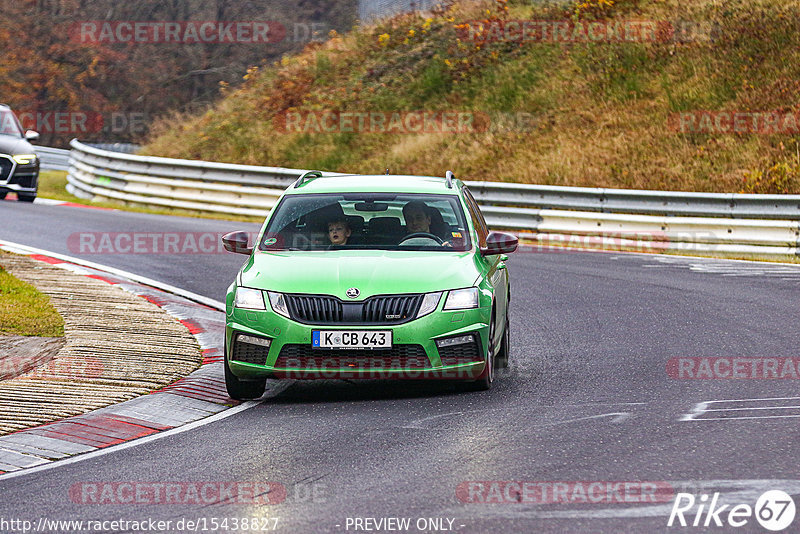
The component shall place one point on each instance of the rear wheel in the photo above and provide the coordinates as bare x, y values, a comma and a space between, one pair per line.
3, 194
242, 389
26, 198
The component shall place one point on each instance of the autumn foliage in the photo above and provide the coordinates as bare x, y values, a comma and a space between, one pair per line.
46, 72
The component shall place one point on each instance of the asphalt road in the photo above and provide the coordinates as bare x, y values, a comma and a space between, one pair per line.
587, 398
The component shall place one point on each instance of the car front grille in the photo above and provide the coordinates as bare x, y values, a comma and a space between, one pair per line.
463, 353
319, 309
249, 353
390, 309
378, 310
398, 357
6, 166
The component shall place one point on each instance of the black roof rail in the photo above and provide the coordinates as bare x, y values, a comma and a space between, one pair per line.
309, 175
449, 177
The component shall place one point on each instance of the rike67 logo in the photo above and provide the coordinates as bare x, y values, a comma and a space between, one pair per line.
774, 510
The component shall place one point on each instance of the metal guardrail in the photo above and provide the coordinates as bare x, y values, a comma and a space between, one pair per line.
672, 203
373, 10
57, 159
52, 159
548, 215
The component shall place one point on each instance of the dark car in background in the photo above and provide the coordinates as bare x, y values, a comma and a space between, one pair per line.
19, 165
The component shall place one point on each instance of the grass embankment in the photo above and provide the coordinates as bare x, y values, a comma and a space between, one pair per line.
599, 113
24, 311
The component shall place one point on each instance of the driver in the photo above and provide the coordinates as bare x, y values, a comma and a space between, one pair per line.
418, 219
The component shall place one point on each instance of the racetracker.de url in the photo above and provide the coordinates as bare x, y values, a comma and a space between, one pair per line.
200, 524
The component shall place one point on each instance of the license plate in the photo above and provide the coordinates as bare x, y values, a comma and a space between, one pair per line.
351, 339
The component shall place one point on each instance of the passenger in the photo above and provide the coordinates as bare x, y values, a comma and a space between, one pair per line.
339, 232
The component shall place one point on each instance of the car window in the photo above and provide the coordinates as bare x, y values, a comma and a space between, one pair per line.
367, 221
477, 218
9, 125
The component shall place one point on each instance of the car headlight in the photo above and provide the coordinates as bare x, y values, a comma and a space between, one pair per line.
249, 299
278, 303
429, 303
24, 159
462, 299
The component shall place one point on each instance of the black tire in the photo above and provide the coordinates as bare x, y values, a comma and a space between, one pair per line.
242, 389
501, 360
486, 379
3, 194
26, 198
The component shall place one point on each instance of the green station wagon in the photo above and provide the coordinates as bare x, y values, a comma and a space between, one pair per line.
393, 277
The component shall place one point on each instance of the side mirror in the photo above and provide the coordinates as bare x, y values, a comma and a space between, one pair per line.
30, 135
237, 242
500, 243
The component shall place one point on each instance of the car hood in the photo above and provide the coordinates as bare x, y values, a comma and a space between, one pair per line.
371, 272
15, 145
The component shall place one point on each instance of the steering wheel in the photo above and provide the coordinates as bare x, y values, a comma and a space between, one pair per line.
426, 235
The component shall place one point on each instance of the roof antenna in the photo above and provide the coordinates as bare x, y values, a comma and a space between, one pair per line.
387, 171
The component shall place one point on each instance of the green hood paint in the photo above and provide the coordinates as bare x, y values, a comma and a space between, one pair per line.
373, 272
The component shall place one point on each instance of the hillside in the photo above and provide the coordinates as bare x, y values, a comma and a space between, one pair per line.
555, 108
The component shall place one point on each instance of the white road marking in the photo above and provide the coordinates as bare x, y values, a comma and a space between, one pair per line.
702, 408
419, 424
24, 249
280, 386
618, 417
752, 408
148, 439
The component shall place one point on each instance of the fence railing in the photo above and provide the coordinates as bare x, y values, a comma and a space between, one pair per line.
52, 159
549, 215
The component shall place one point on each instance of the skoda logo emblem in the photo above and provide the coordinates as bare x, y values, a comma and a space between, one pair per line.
353, 292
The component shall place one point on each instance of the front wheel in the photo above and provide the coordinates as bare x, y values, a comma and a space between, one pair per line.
26, 198
3, 194
242, 389
501, 360
486, 379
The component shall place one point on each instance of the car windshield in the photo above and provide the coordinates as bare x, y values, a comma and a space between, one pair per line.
9, 125
367, 221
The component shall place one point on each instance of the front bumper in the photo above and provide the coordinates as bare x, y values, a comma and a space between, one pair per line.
18, 178
414, 353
